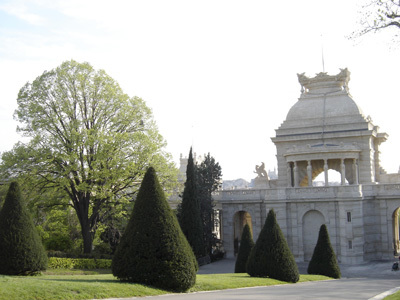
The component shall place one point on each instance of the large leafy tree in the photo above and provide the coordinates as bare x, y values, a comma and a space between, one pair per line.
189, 210
378, 15
88, 140
209, 176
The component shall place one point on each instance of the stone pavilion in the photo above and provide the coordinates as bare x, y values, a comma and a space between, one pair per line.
325, 131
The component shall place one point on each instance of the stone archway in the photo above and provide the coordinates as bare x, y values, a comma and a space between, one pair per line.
312, 221
333, 178
240, 219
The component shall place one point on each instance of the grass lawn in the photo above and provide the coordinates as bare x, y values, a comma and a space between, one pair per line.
395, 296
78, 284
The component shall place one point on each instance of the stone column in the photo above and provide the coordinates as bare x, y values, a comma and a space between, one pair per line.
342, 172
355, 171
309, 173
289, 175
296, 174
326, 172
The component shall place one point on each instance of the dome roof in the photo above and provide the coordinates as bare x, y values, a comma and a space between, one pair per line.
324, 97
322, 107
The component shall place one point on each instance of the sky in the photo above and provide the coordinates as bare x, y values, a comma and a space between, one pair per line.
218, 75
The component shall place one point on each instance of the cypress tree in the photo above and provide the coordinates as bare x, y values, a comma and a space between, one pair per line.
153, 250
21, 249
246, 244
190, 215
271, 256
209, 180
323, 261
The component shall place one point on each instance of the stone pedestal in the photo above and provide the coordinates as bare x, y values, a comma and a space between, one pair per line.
261, 182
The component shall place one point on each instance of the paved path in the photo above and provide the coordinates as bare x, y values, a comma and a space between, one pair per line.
366, 281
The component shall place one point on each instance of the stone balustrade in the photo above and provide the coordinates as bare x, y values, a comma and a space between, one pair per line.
309, 193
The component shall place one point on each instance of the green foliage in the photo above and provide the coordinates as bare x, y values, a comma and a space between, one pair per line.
246, 244
271, 256
3, 193
89, 143
323, 261
153, 249
60, 263
21, 250
58, 242
189, 211
209, 177
58, 228
78, 263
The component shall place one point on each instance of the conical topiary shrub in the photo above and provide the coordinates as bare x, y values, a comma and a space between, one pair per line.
271, 256
323, 261
21, 249
246, 244
153, 250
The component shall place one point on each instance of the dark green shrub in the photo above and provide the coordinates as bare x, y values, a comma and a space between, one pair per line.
58, 242
271, 256
246, 244
189, 211
153, 249
323, 261
102, 249
21, 249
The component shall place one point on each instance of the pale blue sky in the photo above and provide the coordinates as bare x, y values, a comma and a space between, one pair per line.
218, 74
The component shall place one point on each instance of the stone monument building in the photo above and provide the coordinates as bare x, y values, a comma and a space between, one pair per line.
325, 131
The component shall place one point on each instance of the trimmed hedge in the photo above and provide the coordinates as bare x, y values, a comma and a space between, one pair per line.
323, 261
21, 249
78, 263
61, 254
271, 256
153, 250
246, 244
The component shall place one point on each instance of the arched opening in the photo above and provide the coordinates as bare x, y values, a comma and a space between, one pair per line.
240, 219
396, 242
312, 172
334, 178
312, 222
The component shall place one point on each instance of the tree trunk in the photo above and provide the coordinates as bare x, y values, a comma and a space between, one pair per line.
87, 238
82, 212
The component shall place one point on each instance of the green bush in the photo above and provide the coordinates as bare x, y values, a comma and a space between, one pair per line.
21, 249
246, 244
58, 242
78, 263
323, 261
271, 256
153, 250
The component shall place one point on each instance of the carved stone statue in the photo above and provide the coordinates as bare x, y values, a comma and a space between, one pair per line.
260, 170
262, 180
